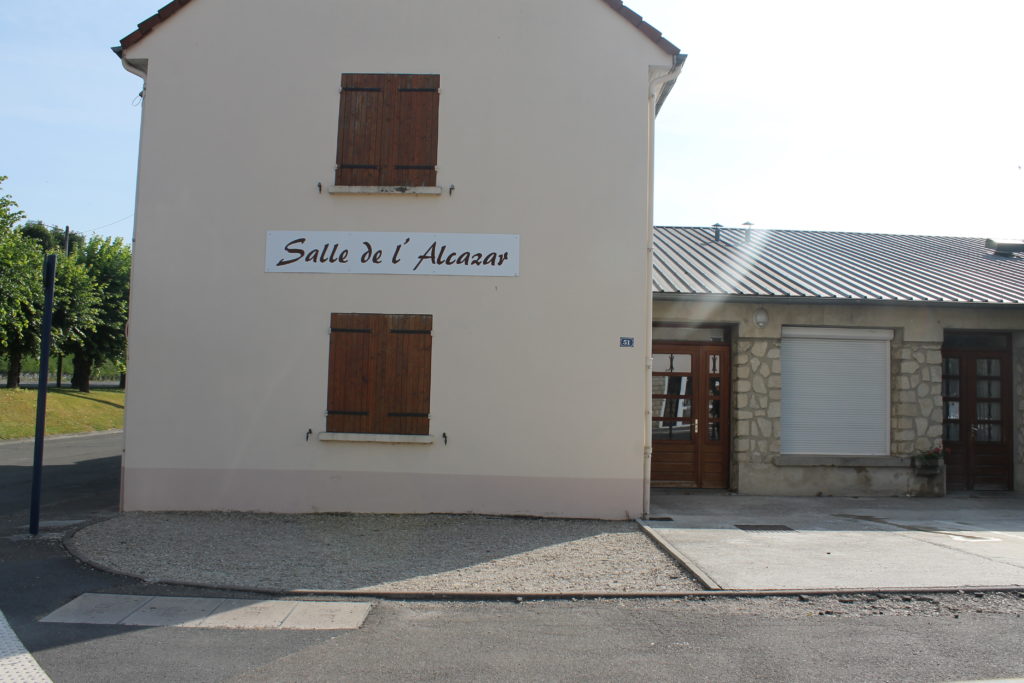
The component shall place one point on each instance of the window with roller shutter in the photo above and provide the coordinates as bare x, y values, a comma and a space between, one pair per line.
379, 374
387, 130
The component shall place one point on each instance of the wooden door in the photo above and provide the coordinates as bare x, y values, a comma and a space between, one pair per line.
977, 419
690, 401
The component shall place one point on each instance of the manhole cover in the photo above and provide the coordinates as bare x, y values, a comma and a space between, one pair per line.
763, 528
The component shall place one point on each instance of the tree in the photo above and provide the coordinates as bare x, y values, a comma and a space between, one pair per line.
51, 238
108, 262
9, 213
21, 299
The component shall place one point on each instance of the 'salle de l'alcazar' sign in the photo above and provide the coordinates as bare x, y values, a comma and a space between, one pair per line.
392, 253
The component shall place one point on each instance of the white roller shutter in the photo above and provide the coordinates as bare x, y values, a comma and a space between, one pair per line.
835, 391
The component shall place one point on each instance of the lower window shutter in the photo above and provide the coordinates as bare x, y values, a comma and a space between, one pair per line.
352, 372
405, 375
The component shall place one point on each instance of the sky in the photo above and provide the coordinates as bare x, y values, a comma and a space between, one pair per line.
900, 116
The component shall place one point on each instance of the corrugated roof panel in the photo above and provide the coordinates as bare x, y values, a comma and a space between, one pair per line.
834, 265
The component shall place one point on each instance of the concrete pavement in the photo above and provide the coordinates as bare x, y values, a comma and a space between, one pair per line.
760, 543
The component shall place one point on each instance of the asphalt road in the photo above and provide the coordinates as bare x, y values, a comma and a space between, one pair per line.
773, 639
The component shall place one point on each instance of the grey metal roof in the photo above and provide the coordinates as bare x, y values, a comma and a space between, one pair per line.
840, 266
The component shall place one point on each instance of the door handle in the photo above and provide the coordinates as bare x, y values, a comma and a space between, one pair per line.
696, 426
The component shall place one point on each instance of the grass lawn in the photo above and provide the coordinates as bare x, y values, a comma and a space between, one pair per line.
67, 411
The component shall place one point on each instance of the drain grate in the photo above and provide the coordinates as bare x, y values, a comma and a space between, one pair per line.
763, 528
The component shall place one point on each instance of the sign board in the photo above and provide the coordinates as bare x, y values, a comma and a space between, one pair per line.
627, 342
392, 253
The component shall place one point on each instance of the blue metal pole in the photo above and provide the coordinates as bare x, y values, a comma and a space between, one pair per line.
49, 275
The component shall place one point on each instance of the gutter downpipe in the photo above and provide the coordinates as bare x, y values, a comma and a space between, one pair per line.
141, 72
654, 102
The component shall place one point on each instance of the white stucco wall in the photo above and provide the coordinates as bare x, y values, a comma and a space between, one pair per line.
544, 134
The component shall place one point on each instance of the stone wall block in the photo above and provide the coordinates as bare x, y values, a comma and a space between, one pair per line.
909, 367
759, 348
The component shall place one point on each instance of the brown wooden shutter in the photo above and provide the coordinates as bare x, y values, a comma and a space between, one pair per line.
410, 139
352, 372
379, 374
387, 130
361, 129
405, 375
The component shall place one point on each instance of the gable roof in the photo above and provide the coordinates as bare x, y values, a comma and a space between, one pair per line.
836, 266
171, 8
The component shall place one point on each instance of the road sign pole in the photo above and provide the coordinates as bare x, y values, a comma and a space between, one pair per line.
49, 275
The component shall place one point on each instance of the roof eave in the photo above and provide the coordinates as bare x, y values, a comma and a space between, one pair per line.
760, 299
171, 8
677, 66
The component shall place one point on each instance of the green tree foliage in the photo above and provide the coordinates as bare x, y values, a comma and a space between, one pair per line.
90, 306
51, 238
21, 299
108, 262
9, 213
76, 305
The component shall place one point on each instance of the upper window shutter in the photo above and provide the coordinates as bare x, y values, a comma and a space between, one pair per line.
352, 372
404, 397
361, 129
835, 392
411, 119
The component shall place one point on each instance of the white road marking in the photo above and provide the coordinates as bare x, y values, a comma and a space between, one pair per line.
16, 663
143, 610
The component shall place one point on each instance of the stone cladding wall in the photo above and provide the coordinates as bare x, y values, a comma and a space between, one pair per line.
916, 397
758, 400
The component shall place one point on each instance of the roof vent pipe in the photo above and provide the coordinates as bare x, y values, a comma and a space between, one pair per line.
1004, 248
746, 235
718, 229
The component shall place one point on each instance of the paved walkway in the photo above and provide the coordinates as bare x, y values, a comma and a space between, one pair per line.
145, 610
774, 543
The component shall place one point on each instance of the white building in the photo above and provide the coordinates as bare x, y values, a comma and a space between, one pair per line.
430, 293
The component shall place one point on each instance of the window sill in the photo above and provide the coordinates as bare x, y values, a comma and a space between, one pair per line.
384, 189
842, 461
376, 438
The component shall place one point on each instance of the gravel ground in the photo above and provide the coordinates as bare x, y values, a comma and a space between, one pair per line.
446, 553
